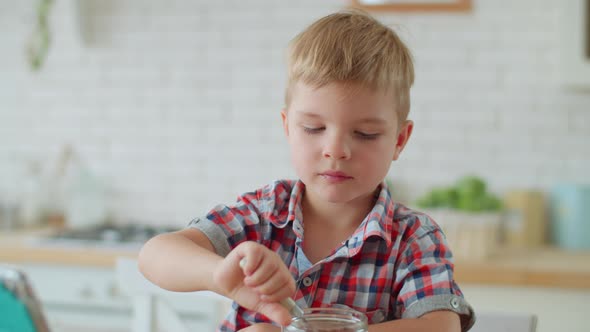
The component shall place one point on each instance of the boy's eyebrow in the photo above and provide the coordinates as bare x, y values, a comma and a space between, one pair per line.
375, 120
308, 114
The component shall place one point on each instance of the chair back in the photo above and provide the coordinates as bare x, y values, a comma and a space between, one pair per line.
156, 309
19, 307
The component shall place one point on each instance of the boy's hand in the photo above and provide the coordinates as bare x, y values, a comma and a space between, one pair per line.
260, 284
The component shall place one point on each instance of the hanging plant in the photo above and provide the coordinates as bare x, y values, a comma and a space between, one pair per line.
40, 39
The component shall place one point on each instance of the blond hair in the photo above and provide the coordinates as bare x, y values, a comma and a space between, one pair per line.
352, 47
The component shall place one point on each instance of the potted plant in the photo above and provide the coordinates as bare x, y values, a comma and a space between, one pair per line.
469, 215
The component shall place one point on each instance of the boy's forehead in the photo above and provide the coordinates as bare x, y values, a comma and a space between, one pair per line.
309, 100
342, 91
311, 114
380, 113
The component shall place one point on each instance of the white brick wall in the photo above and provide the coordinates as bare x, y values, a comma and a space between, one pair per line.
176, 103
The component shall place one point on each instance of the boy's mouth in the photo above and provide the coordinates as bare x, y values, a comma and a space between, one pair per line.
335, 176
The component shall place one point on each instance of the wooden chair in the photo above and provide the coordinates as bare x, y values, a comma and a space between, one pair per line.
155, 309
504, 322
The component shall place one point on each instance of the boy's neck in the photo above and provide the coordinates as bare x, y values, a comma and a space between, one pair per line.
344, 215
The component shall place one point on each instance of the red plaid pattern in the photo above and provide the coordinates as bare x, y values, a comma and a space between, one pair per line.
396, 258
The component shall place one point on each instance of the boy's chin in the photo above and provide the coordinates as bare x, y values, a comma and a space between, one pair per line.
336, 196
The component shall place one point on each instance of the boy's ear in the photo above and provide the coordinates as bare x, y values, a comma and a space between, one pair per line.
285, 122
402, 138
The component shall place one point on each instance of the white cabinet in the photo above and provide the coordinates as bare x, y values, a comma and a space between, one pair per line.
89, 299
156, 310
80, 298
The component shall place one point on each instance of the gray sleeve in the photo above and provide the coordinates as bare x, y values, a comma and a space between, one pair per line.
215, 234
449, 302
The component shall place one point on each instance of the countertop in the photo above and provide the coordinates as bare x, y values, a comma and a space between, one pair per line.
543, 267
24, 247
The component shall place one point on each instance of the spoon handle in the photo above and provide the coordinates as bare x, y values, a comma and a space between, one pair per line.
292, 307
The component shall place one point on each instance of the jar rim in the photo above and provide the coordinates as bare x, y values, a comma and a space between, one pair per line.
330, 316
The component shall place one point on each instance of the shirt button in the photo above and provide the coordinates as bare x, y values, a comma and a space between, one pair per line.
455, 302
307, 281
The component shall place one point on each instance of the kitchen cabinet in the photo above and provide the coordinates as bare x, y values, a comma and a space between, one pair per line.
84, 298
79, 298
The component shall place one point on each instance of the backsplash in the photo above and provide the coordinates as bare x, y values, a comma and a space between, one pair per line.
175, 104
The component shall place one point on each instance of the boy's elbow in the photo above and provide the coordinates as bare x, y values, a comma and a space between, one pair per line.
141, 259
147, 259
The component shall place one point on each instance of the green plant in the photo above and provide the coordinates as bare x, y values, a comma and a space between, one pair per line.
468, 194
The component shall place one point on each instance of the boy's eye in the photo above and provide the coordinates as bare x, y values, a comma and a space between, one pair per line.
367, 136
313, 130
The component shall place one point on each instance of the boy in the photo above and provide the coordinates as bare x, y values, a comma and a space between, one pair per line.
334, 237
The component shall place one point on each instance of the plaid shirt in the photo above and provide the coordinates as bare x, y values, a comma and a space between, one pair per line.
395, 265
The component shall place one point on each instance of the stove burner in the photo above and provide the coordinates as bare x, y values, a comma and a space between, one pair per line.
105, 234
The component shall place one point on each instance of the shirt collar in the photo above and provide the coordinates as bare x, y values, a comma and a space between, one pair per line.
378, 222
294, 208
295, 213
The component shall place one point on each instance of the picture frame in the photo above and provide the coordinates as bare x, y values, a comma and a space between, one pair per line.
575, 44
414, 5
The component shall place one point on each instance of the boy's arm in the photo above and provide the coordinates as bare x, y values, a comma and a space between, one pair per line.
182, 261
425, 279
440, 321
186, 261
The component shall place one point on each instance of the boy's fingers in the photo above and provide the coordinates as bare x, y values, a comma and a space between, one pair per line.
229, 275
250, 256
247, 298
275, 287
275, 312
281, 294
263, 273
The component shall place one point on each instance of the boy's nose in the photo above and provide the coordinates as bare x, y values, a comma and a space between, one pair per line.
337, 149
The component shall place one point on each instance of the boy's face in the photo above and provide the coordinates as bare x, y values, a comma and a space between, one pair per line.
343, 139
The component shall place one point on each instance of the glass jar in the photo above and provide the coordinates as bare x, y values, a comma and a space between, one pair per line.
329, 320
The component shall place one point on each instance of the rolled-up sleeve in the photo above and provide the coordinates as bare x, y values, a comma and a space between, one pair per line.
228, 226
425, 282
